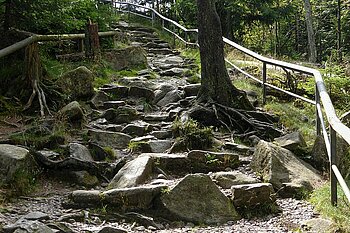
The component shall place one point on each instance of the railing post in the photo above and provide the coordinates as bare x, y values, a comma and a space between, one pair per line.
153, 18
129, 10
318, 120
264, 70
333, 161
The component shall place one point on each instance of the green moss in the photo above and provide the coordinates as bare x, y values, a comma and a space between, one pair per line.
192, 134
110, 154
138, 146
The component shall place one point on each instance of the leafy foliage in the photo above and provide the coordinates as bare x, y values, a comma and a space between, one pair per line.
64, 16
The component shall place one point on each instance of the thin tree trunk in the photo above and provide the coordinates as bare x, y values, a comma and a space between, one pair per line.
339, 44
7, 16
216, 86
310, 32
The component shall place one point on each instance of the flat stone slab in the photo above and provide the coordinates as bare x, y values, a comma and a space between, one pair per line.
136, 198
252, 195
111, 139
227, 179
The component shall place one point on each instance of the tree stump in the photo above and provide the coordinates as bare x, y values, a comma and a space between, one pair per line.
33, 74
92, 41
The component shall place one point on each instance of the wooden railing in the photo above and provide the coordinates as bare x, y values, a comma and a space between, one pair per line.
322, 100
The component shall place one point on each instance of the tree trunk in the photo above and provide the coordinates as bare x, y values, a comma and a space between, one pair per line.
339, 44
7, 16
216, 86
310, 32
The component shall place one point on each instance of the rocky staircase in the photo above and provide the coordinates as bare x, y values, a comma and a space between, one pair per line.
132, 119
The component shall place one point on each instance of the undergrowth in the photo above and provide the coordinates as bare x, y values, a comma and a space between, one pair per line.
192, 135
320, 198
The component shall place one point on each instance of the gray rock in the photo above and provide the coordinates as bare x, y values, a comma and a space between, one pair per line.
116, 91
292, 141
112, 230
111, 139
143, 139
156, 117
173, 113
174, 72
135, 198
79, 151
77, 83
126, 58
16, 164
227, 179
171, 163
192, 89
36, 215
99, 98
318, 225
162, 134
159, 146
49, 154
72, 112
83, 178
172, 60
113, 104
170, 97
281, 168
320, 156
141, 92
26, 226
136, 129
197, 199
252, 195
133, 173
113, 127
123, 114
162, 91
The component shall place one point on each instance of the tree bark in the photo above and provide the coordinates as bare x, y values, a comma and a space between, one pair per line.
339, 43
310, 32
216, 86
7, 16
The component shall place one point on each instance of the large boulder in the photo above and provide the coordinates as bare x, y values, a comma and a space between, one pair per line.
126, 58
111, 139
280, 167
197, 199
17, 165
320, 158
132, 173
78, 83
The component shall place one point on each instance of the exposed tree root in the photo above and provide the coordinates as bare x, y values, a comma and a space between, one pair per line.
103, 170
237, 121
33, 75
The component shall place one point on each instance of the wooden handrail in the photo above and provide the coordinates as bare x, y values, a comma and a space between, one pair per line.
41, 38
